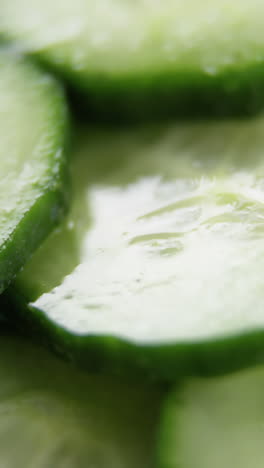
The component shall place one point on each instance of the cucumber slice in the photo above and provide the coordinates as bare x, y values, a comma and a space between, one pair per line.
53, 416
33, 122
160, 263
148, 57
214, 423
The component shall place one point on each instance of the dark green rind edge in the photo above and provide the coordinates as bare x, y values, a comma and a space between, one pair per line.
168, 422
158, 94
180, 94
110, 354
163, 95
50, 207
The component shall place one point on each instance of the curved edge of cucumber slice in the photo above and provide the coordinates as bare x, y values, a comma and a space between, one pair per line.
194, 95
51, 204
158, 96
166, 361
157, 355
145, 59
164, 95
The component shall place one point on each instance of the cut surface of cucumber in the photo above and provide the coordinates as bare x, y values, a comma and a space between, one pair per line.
32, 160
147, 55
52, 416
214, 423
164, 244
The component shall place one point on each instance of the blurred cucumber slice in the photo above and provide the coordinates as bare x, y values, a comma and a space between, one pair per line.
147, 57
215, 422
52, 416
33, 122
159, 266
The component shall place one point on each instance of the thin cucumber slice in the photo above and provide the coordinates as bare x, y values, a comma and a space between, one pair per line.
160, 263
214, 423
33, 122
52, 416
148, 57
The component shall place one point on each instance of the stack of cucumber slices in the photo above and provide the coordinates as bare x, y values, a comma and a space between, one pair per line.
131, 234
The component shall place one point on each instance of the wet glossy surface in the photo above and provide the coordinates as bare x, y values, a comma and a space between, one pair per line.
32, 132
165, 238
27, 151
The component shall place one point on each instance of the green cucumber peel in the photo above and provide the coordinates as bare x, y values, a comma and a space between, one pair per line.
33, 134
147, 58
163, 274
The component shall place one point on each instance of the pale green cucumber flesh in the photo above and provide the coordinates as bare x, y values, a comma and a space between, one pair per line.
33, 121
164, 243
214, 423
52, 416
159, 54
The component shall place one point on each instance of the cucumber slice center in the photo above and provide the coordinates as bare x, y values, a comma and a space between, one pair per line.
169, 224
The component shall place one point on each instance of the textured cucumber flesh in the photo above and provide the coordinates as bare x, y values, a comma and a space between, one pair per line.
163, 249
142, 56
33, 121
214, 423
52, 416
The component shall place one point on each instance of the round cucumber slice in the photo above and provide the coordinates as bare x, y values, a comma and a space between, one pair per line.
148, 57
160, 263
214, 423
53, 416
33, 122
